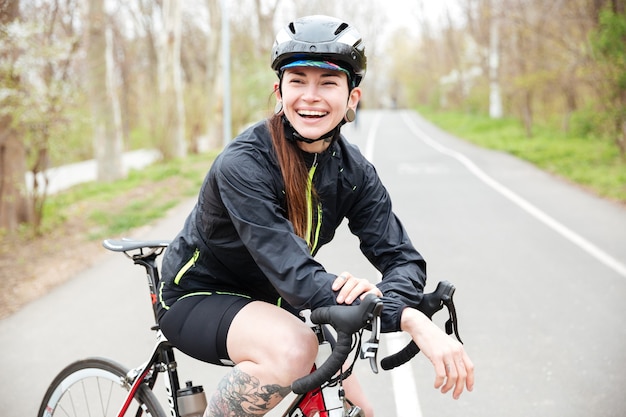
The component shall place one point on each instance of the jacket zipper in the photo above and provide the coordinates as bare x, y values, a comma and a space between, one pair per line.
187, 266
312, 239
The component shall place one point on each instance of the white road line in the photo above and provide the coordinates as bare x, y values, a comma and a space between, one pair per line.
402, 378
403, 381
549, 221
371, 138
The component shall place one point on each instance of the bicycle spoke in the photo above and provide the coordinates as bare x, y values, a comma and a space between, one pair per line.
94, 388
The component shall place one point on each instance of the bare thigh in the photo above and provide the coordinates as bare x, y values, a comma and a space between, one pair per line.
275, 342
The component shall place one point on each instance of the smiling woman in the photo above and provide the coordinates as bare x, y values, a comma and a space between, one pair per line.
272, 199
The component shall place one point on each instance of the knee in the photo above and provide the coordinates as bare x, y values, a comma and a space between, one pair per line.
297, 354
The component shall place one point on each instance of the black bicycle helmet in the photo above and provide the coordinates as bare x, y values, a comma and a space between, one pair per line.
321, 38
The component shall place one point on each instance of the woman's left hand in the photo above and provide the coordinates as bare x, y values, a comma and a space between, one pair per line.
350, 288
453, 367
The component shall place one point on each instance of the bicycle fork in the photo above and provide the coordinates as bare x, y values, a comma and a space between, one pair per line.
323, 404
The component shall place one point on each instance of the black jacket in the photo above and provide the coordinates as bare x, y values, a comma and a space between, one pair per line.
237, 239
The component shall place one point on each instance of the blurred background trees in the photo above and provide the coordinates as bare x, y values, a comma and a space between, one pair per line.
82, 79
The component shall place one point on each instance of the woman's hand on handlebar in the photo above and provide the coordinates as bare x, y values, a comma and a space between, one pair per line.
350, 288
452, 364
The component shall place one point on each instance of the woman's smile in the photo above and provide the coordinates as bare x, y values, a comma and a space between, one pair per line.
311, 114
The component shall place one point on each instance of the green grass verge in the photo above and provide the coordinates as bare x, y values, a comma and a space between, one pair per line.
110, 209
593, 163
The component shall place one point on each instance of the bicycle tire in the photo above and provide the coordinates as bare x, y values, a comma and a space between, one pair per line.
95, 387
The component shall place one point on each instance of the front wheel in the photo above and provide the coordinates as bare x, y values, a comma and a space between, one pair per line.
96, 387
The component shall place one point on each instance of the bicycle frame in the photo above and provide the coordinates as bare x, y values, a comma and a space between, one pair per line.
161, 360
328, 401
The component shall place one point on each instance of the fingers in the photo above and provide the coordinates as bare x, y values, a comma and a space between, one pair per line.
340, 280
457, 371
453, 367
350, 288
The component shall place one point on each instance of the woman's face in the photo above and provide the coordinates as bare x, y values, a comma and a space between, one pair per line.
315, 99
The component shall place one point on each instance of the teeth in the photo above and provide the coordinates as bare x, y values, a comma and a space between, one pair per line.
312, 113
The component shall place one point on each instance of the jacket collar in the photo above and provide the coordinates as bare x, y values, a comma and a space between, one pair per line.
333, 150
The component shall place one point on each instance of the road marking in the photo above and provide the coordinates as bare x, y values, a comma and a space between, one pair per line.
403, 381
405, 168
371, 138
549, 221
402, 378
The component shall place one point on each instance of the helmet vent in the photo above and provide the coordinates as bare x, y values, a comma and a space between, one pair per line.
292, 28
341, 28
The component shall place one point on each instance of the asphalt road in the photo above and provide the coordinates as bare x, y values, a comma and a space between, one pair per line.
539, 267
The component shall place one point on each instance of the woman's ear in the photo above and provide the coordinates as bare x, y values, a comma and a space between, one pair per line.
354, 98
277, 90
353, 101
278, 109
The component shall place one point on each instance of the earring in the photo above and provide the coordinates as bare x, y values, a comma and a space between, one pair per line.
278, 108
350, 115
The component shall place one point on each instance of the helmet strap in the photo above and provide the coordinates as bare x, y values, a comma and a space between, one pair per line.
292, 134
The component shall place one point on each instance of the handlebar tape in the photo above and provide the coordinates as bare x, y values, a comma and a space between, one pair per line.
401, 357
346, 320
328, 368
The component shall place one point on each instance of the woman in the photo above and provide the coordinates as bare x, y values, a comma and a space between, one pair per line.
243, 266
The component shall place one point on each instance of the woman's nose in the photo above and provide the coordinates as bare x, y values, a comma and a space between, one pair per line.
311, 93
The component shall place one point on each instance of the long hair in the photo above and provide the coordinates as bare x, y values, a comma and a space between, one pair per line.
295, 176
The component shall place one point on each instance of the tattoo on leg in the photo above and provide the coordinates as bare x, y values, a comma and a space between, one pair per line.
240, 395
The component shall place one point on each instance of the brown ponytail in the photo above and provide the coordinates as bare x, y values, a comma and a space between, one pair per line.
295, 176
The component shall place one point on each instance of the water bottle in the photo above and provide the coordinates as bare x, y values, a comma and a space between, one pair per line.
191, 401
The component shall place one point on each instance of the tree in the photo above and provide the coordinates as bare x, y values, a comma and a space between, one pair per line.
13, 201
107, 125
214, 130
172, 109
609, 43
38, 52
265, 23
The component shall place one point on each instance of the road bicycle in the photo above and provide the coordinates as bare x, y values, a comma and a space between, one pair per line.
102, 387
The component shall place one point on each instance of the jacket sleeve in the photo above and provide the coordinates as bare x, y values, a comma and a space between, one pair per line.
249, 191
387, 246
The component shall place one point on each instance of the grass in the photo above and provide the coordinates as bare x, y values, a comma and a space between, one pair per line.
594, 163
110, 209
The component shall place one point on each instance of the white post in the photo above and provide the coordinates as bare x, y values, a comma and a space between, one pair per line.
495, 98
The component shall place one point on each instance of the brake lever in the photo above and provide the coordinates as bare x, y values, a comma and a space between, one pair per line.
369, 349
452, 324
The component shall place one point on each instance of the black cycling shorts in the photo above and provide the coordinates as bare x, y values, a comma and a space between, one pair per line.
198, 325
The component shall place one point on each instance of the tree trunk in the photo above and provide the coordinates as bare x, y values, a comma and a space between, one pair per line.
265, 22
107, 126
15, 206
171, 83
214, 126
14, 203
620, 139
527, 112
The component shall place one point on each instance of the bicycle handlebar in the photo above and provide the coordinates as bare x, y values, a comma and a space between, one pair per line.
430, 304
346, 320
